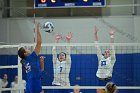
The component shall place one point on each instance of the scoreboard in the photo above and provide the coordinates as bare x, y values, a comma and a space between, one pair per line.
69, 3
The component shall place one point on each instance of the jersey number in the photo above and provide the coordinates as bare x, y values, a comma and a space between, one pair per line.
61, 69
28, 68
103, 63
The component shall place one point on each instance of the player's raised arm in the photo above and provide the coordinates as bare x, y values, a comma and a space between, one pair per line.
95, 31
57, 38
39, 40
111, 33
68, 38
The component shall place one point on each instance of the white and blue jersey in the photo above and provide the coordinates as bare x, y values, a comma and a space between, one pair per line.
105, 65
61, 69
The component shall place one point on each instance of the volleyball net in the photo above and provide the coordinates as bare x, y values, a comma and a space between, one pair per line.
83, 67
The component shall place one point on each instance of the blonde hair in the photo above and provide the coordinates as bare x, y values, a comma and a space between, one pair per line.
76, 89
111, 87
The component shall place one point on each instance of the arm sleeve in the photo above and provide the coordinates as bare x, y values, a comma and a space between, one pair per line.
113, 57
68, 52
99, 53
54, 54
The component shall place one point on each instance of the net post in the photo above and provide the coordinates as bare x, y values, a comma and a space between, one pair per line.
19, 71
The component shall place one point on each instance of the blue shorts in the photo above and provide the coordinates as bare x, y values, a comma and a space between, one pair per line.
33, 86
103, 82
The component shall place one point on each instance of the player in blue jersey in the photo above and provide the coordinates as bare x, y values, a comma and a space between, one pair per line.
105, 62
33, 65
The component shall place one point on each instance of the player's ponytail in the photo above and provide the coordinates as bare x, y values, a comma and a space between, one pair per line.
21, 52
23, 64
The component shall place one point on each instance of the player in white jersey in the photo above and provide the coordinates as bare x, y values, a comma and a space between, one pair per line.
61, 64
4, 82
105, 62
14, 84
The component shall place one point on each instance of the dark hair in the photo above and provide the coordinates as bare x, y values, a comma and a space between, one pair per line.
111, 87
23, 64
21, 52
3, 75
63, 53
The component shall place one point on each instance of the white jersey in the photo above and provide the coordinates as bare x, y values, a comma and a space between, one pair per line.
105, 66
15, 85
61, 69
3, 84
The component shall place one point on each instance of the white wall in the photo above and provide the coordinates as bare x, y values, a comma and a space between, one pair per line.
118, 10
137, 29
3, 30
18, 11
138, 8
21, 30
121, 10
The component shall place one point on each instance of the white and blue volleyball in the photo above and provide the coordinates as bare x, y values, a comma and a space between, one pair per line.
48, 27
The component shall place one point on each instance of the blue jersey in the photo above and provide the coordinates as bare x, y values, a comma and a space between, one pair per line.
32, 65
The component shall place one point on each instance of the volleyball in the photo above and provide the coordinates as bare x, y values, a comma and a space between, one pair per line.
48, 27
